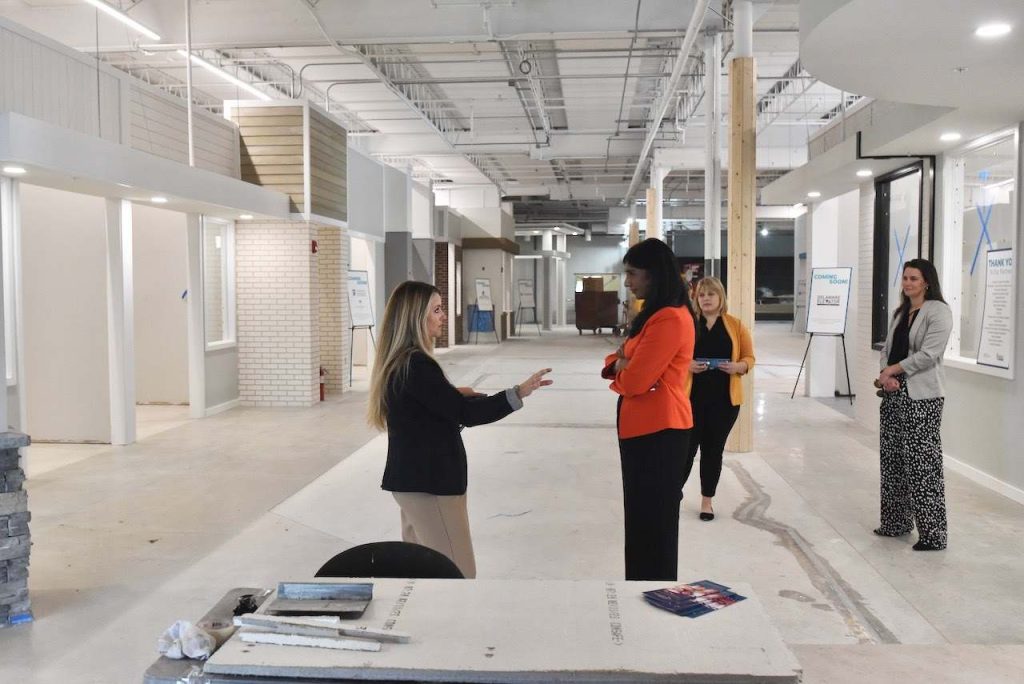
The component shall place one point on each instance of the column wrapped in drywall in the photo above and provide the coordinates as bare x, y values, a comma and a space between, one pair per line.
277, 300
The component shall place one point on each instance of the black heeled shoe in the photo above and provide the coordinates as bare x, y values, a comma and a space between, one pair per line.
926, 546
882, 533
707, 516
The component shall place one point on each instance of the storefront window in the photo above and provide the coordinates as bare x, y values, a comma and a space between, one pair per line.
218, 283
898, 210
989, 189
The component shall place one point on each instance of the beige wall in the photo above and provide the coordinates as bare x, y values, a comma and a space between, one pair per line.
66, 380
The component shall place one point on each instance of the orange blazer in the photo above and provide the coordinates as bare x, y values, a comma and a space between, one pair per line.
653, 385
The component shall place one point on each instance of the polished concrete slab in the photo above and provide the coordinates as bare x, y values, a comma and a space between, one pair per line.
127, 540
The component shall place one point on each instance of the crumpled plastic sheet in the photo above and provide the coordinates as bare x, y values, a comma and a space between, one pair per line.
185, 640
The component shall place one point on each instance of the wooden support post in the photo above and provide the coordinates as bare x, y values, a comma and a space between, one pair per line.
742, 226
653, 214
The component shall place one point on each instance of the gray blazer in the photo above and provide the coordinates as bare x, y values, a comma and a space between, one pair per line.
928, 338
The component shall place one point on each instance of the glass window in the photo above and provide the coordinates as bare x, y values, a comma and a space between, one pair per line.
897, 240
985, 178
218, 282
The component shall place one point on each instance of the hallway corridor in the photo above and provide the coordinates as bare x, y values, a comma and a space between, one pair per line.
126, 541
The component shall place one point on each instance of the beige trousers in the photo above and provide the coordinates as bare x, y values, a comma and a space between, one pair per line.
440, 523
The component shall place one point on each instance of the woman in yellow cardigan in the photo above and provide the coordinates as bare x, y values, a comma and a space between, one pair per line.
723, 353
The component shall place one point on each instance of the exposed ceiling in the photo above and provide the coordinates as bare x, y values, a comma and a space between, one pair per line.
548, 99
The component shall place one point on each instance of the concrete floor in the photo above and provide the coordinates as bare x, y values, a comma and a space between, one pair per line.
128, 540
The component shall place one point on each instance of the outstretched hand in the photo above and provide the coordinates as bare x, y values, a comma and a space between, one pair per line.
533, 383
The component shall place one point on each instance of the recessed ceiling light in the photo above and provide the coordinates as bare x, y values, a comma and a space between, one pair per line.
14, 170
124, 185
245, 217
764, 232
864, 173
813, 194
993, 30
951, 136
158, 200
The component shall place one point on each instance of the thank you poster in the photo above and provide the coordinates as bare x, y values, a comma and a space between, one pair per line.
829, 300
996, 346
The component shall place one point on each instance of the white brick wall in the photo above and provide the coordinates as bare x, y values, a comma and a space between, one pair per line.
864, 359
278, 336
333, 314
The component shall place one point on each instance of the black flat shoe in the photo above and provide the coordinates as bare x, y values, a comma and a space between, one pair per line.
882, 533
707, 516
925, 546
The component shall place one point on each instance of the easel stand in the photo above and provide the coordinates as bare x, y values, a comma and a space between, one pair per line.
519, 318
473, 323
846, 364
351, 345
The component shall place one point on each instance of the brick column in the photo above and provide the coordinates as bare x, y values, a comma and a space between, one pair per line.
443, 284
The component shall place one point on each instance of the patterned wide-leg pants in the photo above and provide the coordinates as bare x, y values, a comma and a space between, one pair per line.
913, 490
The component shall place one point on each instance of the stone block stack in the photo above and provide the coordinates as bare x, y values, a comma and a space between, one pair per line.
14, 536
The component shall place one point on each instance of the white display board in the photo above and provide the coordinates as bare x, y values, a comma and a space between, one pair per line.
526, 300
828, 300
483, 295
359, 302
997, 322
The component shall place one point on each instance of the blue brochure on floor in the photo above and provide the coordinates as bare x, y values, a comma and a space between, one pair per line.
712, 364
694, 599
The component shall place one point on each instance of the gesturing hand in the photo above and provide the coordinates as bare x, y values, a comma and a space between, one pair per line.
532, 383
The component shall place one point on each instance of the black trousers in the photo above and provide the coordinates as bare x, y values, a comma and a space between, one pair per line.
713, 419
652, 480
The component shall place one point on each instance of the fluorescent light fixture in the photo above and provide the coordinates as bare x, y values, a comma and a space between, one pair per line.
764, 232
245, 217
814, 194
124, 185
123, 18
951, 136
214, 69
158, 200
864, 173
14, 170
994, 30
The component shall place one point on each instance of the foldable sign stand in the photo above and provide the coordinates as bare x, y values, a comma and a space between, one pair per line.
827, 306
362, 312
483, 304
527, 301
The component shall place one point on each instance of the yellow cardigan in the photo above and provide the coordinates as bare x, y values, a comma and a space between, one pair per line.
742, 350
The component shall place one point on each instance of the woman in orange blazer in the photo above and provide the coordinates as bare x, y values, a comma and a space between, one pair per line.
649, 373
724, 354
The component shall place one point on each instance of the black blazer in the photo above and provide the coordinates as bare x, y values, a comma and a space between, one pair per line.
424, 414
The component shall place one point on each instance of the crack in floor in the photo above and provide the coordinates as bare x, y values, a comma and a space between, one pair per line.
844, 599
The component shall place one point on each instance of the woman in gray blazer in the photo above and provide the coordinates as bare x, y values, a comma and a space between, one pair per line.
913, 491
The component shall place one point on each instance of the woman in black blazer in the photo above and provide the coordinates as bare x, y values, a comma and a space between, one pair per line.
423, 413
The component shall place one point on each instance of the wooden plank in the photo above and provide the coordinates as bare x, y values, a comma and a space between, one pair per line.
260, 140
262, 121
322, 174
283, 169
249, 131
260, 150
259, 160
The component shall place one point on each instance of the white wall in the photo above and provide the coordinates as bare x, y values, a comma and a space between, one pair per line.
484, 263
848, 241
421, 211
365, 194
66, 382
397, 200
822, 252
161, 314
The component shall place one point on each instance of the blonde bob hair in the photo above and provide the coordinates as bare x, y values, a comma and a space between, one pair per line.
402, 332
711, 285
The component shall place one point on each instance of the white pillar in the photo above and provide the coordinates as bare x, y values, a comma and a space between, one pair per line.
743, 28
654, 211
822, 252
120, 321
560, 292
713, 156
196, 323
548, 292
6, 225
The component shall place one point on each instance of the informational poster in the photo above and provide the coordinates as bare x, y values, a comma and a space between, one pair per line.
483, 295
359, 299
997, 321
829, 300
526, 300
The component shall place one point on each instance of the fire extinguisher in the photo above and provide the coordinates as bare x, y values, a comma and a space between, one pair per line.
323, 382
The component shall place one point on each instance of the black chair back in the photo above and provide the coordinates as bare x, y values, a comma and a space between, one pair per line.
391, 559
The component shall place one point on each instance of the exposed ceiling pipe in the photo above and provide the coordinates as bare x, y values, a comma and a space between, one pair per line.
692, 30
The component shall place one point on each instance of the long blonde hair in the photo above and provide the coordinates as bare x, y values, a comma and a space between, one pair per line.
402, 332
713, 285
